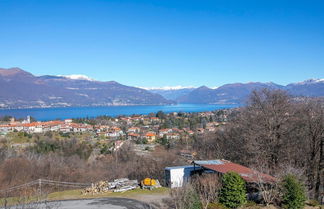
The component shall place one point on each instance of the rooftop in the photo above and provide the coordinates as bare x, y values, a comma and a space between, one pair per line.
224, 166
180, 167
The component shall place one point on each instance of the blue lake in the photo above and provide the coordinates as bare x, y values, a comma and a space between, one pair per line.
44, 114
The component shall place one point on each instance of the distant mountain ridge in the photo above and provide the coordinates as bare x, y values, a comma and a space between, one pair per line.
172, 93
21, 89
237, 93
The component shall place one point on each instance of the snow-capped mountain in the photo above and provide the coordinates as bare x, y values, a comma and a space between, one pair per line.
309, 81
77, 77
238, 92
311, 87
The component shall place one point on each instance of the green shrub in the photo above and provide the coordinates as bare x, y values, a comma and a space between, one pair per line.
64, 147
293, 193
45, 146
105, 149
233, 192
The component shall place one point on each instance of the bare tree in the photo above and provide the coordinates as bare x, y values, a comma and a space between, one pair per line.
269, 190
278, 131
183, 197
311, 129
207, 186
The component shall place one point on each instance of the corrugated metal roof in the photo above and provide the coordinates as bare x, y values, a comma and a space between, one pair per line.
182, 167
224, 166
209, 162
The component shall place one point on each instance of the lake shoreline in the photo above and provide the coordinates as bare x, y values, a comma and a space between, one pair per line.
46, 114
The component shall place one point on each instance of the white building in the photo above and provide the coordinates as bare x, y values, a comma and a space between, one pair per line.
179, 175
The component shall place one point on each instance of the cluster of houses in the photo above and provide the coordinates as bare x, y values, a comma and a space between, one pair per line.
151, 134
134, 128
65, 126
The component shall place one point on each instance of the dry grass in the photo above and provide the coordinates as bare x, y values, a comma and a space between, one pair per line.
77, 194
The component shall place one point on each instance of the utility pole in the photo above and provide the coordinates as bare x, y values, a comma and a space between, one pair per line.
40, 189
116, 159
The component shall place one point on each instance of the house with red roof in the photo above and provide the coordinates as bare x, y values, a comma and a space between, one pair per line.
133, 136
154, 119
150, 136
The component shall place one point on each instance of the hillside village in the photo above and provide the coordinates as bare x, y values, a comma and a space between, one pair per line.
141, 129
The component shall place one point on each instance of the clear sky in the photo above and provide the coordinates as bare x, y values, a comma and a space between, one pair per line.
167, 42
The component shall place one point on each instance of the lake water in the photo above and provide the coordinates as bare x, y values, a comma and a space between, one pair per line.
44, 114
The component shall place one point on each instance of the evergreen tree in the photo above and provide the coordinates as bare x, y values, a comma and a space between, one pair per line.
293, 193
233, 192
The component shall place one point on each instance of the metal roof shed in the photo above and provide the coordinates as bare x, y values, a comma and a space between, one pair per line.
224, 166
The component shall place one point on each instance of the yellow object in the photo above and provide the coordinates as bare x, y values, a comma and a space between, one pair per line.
149, 182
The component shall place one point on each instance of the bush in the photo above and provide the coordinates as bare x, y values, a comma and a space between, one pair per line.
186, 198
293, 193
233, 193
105, 149
45, 146
64, 147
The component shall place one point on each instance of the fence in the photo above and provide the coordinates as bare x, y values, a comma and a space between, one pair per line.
40, 183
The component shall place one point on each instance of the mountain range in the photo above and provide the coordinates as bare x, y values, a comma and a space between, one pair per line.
172, 93
21, 89
237, 93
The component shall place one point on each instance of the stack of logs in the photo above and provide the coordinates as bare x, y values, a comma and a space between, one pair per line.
118, 185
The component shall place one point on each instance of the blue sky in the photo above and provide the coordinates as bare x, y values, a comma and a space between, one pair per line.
167, 42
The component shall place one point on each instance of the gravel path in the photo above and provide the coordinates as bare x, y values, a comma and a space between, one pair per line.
103, 203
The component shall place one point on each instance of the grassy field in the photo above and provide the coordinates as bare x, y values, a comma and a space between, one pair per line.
77, 194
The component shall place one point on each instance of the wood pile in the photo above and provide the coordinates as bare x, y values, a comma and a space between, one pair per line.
118, 185
97, 188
